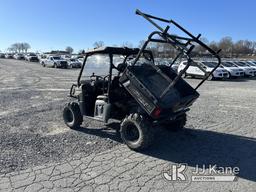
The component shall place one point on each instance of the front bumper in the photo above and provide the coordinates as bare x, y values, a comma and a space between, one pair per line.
237, 74
221, 75
250, 73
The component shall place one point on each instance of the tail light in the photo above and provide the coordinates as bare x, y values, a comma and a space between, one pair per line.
157, 112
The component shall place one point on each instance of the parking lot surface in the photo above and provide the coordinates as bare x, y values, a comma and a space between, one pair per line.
39, 153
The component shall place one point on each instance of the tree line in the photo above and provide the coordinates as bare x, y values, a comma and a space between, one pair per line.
229, 48
19, 48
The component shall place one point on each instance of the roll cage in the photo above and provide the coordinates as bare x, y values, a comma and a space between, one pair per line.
111, 51
184, 45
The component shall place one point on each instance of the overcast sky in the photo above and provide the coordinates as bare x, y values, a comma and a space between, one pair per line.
55, 24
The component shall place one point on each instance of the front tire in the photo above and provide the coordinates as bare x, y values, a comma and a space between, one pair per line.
136, 132
72, 115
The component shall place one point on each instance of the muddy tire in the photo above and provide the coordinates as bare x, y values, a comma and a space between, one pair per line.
72, 115
136, 132
177, 124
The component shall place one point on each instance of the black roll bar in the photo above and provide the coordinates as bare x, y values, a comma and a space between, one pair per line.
177, 42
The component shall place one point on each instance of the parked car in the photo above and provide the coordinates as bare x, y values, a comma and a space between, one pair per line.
2, 55
55, 61
74, 63
195, 71
248, 70
251, 64
9, 56
80, 58
19, 56
42, 58
232, 69
32, 57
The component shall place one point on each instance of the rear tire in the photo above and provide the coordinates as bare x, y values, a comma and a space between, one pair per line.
136, 132
72, 115
177, 124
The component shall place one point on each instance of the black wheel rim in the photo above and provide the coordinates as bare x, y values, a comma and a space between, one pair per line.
132, 133
69, 117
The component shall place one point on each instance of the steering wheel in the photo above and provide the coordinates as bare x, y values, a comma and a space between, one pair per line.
97, 77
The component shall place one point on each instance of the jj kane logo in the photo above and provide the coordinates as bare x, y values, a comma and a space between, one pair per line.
210, 173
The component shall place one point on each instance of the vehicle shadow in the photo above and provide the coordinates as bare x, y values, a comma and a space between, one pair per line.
111, 131
200, 147
197, 147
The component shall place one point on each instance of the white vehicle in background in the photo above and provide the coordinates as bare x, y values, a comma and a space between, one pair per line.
252, 64
55, 61
19, 56
248, 70
32, 57
232, 69
196, 70
2, 55
8, 56
74, 63
42, 58
80, 59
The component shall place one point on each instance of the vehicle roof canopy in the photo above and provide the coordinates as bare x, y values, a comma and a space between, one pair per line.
115, 50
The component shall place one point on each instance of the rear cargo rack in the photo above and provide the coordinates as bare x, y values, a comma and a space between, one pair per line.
184, 46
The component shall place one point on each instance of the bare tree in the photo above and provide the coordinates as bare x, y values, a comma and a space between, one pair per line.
14, 47
226, 45
69, 49
98, 44
214, 46
26, 47
141, 43
81, 52
127, 44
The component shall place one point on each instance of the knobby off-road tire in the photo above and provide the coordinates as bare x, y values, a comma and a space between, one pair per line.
72, 115
177, 124
136, 132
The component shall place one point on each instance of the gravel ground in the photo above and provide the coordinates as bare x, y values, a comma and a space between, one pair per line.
32, 130
220, 130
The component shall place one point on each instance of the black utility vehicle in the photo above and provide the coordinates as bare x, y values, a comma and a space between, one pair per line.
124, 84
